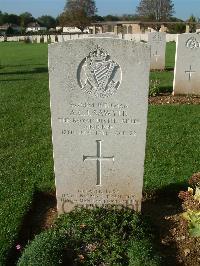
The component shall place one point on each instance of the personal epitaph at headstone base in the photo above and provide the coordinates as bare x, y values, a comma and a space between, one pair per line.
157, 41
187, 65
99, 100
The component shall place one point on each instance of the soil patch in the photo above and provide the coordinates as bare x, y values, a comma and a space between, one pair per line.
167, 98
172, 237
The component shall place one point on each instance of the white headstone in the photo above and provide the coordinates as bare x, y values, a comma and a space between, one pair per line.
103, 35
60, 38
45, 39
74, 36
99, 99
53, 38
157, 41
38, 38
187, 65
30, 38
66, 37
33, 39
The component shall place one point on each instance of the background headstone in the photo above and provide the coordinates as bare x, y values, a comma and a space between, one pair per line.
45, 38
53, 38
60, 38
187, 65
157, 41
38, 38
103, 35
99, 99
66, 37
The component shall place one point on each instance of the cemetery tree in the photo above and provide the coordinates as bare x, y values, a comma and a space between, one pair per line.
25, 19
192, 23
12, 18
47, 21
157, 10
1, 17
78, 13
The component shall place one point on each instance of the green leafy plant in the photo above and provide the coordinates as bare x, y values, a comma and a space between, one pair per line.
154, 87
94, 237
191, 205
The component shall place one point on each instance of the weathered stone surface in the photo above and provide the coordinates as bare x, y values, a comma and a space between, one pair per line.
157, 41
99, 99
187, 65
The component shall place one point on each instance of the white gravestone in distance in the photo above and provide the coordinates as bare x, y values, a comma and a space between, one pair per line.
45, 38
157, 41
53, 38
38, 39
187, 65
99, 100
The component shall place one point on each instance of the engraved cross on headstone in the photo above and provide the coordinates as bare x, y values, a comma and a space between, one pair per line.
99, 158
156, 55
190, 72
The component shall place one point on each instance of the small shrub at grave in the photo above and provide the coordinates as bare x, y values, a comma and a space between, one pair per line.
191, 205
94, 237
154, 87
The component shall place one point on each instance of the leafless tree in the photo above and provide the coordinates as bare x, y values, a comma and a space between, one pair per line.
78, 13
158, 10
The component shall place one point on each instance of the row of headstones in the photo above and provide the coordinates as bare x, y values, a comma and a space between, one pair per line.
61, 38
187, 64
99, 98
186, 73
186, 78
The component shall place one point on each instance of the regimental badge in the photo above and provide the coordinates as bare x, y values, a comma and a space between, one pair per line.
192, 43
98, 74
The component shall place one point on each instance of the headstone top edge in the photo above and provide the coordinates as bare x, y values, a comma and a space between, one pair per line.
139, 44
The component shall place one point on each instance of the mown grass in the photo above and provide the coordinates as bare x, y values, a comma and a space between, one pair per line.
25, 141
25, 137
172, 150
165, 78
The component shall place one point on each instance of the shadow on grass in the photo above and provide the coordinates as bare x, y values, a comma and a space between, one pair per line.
166, 89
169, 69
23, 72
158, 207
39, 217
25, 65
8, 80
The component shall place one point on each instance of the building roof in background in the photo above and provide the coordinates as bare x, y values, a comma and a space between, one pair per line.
34, 24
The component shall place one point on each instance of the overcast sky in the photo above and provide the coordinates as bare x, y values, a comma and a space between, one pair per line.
183, 8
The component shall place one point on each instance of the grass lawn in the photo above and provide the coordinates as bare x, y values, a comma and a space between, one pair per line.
172, 152
166, 77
